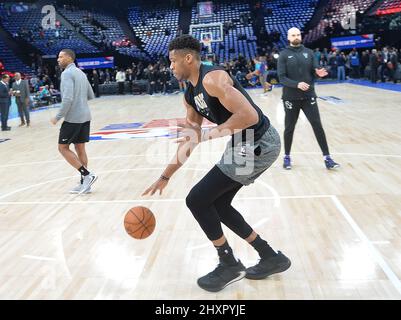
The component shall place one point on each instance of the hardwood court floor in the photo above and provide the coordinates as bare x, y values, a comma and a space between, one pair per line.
341, 229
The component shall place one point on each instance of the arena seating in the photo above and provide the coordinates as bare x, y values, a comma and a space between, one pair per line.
335, 12
101, 27
156, 27
11, 62
238, 37
287, 14
28, 25
389, 7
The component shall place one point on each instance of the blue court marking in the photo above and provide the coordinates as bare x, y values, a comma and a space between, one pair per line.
118, 126
133, 136
382, 85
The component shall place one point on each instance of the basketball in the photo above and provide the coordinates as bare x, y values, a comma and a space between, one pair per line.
139, 222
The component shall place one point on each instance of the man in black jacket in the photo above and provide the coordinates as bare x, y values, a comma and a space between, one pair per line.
5, 101
297, 69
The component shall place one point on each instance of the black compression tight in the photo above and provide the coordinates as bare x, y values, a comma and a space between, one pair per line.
310, 108
210, 203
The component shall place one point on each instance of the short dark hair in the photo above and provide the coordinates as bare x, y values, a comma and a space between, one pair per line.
185, 42
5, 76
69, 52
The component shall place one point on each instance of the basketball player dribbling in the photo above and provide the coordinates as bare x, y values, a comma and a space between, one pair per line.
254, 146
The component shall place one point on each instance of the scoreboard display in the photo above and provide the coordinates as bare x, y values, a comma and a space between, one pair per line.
205, 9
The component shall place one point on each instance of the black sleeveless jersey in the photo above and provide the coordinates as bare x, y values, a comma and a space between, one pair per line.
211, 108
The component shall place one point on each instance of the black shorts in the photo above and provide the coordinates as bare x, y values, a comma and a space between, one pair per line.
74, 132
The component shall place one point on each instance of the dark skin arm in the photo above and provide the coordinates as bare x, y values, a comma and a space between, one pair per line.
217, 84
193, 123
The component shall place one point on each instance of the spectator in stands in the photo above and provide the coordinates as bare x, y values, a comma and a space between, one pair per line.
384, 59
241, 77
130, 78
325, 54
392, 64
374, 64
139, 71
355, 64
34, 82
364, 61
55, 94
120, 78
46, 80
208, 61
152, 78
182, 85
322, 62
165, 79
318, 54
44, 94
95, 83
341, 60
333, 65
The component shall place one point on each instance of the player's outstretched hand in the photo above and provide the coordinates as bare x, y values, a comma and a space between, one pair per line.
321, 72
160, 184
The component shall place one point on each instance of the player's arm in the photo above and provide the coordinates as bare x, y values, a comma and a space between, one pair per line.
252, 74
192, 129
90, 94
219, 84
68, 96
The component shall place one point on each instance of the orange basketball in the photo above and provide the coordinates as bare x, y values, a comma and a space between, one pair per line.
139, 222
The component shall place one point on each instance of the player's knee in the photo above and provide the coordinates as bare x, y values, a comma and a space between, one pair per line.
194, 200
63, 148
79, 148
222, 205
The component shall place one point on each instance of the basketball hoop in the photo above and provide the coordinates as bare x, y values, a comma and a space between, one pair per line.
207, 42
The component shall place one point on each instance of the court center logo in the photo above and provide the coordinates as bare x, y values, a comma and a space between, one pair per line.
49, 20
348, 22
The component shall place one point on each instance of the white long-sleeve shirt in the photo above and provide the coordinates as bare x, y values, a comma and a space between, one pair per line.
120, 76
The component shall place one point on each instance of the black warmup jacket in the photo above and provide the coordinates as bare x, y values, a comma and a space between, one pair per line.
297, 64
